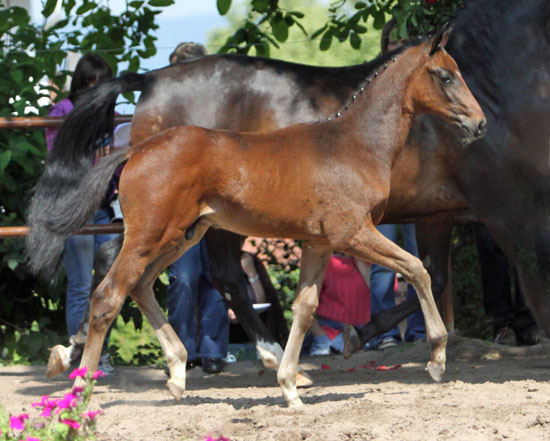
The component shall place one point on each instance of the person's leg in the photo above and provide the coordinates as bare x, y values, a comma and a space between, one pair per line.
318, 342
78, 260
213, 319
382, 282
416, 328
182, 299
214, 323
102, 217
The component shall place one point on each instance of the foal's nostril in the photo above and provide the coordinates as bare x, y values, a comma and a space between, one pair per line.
481, 127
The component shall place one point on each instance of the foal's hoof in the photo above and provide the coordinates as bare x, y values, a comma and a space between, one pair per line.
175, 389
303, 379
296, 402
352, 342
436, 371
58, 362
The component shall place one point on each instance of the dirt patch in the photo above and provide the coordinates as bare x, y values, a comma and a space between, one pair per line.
489, 392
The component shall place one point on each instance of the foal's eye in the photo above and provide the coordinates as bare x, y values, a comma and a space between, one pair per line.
446, 79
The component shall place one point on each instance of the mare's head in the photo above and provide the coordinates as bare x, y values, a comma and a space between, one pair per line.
437, 87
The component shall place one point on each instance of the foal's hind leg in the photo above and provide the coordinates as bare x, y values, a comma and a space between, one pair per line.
140, 262
368, 244
60, 356
174, 351
315, 257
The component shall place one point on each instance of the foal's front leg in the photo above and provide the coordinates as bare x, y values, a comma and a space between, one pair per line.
315, 257
433, 237
368, 244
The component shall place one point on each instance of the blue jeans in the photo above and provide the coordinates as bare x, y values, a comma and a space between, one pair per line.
78, 260
382, 282
196, 310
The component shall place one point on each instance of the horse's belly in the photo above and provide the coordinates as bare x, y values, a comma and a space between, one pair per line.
250, 223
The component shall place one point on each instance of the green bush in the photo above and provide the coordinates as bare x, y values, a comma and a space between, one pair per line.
31, 310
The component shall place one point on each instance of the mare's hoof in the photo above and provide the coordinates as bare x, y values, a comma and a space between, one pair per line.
436, 371
303, 379
175, 389
58, 362
352, 342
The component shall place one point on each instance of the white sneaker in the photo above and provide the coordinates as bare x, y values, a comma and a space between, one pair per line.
386, 343
105, 365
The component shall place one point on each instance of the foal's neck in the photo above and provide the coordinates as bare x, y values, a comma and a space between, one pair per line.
382, 114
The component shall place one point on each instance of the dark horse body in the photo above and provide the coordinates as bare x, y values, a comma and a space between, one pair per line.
502, 48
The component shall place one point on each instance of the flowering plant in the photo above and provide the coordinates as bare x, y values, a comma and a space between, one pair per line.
60, 419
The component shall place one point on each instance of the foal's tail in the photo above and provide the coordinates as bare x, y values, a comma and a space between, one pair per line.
62, 205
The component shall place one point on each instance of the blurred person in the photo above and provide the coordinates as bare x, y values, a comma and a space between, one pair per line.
196, 310
382, 287
344, 299
79, 252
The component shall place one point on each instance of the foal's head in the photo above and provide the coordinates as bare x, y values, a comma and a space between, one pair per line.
437, 87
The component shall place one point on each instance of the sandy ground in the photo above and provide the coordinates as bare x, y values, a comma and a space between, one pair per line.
490, 392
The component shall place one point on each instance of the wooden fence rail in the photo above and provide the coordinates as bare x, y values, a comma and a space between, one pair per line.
116, 228
39, 122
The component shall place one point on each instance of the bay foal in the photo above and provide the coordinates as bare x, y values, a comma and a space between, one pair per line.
325, 183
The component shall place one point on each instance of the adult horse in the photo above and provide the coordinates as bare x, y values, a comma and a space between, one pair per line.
502, 48
325, 183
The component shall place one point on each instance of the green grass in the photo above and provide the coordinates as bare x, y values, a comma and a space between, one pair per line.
134, 347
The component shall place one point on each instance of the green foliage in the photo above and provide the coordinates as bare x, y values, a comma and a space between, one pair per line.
285, 282
470, 317
129, 345
422, 17
268, 22
299, 47
32, 55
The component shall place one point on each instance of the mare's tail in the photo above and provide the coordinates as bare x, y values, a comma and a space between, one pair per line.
61, 205
90, 121
68, 192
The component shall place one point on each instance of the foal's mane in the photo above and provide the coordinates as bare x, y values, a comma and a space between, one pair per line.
373, 69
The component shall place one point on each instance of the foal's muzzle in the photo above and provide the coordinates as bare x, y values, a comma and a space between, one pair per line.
472, 128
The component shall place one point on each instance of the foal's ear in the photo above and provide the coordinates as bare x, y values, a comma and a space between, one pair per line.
440, 39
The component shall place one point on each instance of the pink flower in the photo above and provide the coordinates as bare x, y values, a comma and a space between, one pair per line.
77, 390
17, 421
97, 374
71, 423
32, 438
91, 414
67, 402
46, 412
49, 405
43, 401
81, 372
